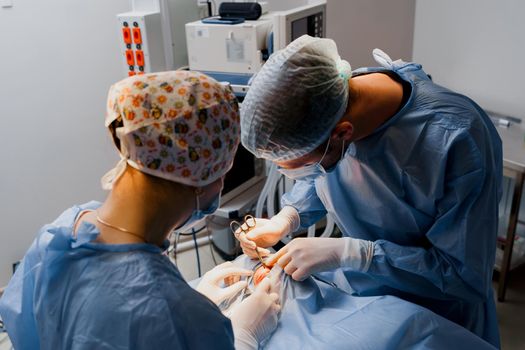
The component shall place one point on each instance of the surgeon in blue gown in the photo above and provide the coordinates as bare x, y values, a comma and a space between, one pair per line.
97, 278
410, 171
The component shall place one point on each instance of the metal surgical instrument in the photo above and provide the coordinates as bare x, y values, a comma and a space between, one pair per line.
245, 227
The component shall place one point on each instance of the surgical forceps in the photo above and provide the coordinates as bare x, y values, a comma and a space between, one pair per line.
243, 293
238, 228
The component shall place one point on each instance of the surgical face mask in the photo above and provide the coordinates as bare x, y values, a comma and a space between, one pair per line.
312, 171
197, 214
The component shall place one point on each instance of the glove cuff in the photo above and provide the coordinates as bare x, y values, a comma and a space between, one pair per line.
244, 340
357, 254
291, 216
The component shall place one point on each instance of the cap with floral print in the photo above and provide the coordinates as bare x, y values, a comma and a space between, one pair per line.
181, 126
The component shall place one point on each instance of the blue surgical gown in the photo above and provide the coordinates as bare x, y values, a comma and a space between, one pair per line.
76, 294
424, 187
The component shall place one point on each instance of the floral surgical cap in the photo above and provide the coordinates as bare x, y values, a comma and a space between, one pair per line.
181, 126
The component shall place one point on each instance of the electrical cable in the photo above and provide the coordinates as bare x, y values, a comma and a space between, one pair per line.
191, 233
210, 12
175, 247
194, 234
210, 240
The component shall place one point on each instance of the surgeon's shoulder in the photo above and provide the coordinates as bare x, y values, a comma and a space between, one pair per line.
46, 233
69, 215
461, 122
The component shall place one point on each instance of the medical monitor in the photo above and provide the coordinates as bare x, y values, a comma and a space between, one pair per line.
291, 24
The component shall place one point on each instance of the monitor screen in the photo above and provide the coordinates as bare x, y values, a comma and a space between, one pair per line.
311, 25
299, 27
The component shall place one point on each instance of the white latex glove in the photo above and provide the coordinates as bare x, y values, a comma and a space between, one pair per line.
267, 232
256, 317
211, 284
303, 257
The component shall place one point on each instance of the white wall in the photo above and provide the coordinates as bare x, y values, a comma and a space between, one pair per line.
359, 26
57, 61
476, 47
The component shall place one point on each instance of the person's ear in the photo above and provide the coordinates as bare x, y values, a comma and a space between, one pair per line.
343, 131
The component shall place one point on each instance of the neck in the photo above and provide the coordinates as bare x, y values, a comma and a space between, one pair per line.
377, 98
147, 206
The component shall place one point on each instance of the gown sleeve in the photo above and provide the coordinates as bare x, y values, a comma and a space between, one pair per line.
303, 197
459, 260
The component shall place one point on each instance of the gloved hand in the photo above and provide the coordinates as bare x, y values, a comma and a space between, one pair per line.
210, 284
303, 257
256, 317
267, 232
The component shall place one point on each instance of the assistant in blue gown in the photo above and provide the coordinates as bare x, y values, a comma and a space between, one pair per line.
75, 294
424, 187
